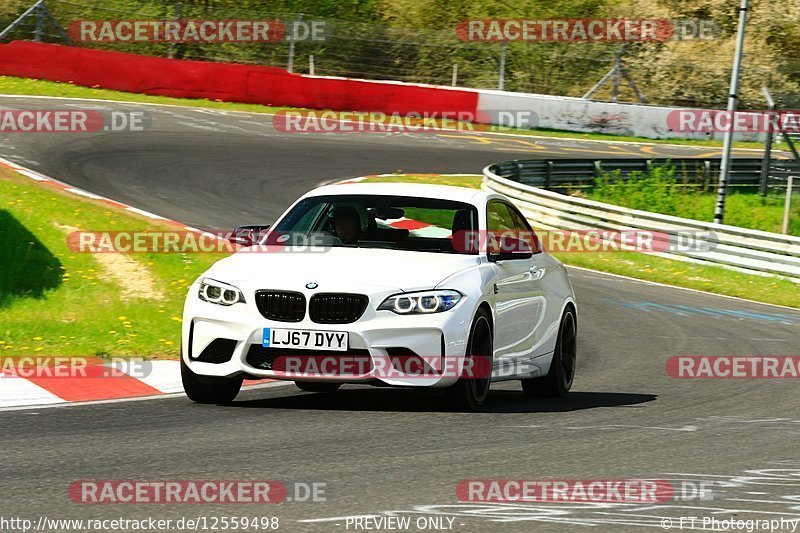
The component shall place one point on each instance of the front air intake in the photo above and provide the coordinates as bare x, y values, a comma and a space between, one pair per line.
218, 351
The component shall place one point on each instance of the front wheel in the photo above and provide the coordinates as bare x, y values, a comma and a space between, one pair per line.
469, 392
209, 389
558, 381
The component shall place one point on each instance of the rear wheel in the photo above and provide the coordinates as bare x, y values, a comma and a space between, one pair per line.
209, 389
469, 392
317, 386
558, 380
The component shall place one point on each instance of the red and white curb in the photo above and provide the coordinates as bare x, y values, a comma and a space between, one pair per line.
95, 382
100, 382
421, 229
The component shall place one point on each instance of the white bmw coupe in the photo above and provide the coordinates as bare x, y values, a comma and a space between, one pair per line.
384, 284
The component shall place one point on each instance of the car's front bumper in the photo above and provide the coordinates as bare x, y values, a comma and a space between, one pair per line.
438, 336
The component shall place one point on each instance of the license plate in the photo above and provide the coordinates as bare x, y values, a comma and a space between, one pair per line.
303, 339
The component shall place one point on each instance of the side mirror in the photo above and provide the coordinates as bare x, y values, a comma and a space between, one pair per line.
248, 235
508, 248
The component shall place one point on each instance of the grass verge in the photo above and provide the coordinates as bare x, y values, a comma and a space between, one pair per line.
54, 301
663, 191
27, 86
650, 267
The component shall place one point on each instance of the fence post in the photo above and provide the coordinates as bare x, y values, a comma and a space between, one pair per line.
706, 175
787, 205
501, 82
518, 172
176, 15
292, 33
765, 163
40, 19
548, 174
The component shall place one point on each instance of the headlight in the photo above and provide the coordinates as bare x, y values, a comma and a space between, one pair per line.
216, 292
414, 303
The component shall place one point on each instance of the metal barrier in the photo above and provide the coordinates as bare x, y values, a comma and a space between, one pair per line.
751, 251
582, 173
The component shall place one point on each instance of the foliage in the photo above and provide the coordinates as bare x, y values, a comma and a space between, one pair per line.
415, 40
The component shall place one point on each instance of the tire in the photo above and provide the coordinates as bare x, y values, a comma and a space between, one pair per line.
470, 393
208, 389
558, 381
317, 386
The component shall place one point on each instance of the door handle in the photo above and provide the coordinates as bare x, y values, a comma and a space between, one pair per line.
537, 272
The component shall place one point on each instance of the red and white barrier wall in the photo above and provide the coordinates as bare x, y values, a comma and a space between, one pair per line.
274, 86
223, 81
579, 114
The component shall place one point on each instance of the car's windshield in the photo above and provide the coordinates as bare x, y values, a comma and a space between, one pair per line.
377, 221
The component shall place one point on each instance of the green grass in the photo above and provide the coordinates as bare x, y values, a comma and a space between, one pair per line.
472, 181
664, 192
54, 301
650, 267
27, 86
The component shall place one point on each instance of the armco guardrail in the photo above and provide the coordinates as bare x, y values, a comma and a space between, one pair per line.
578, 173
752, 251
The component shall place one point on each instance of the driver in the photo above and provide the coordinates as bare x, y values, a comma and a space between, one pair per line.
347, 224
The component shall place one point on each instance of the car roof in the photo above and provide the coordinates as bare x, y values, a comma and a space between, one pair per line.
420, 190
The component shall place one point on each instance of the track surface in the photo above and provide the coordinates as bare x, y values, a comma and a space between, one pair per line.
390, 451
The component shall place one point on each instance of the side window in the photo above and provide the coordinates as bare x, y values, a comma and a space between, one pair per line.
498, 219
498, 224
307, 220
524, 230
520, 224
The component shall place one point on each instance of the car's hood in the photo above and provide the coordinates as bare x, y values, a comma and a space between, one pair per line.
336, 269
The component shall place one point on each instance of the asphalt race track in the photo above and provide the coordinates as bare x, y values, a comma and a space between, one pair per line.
386, 452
